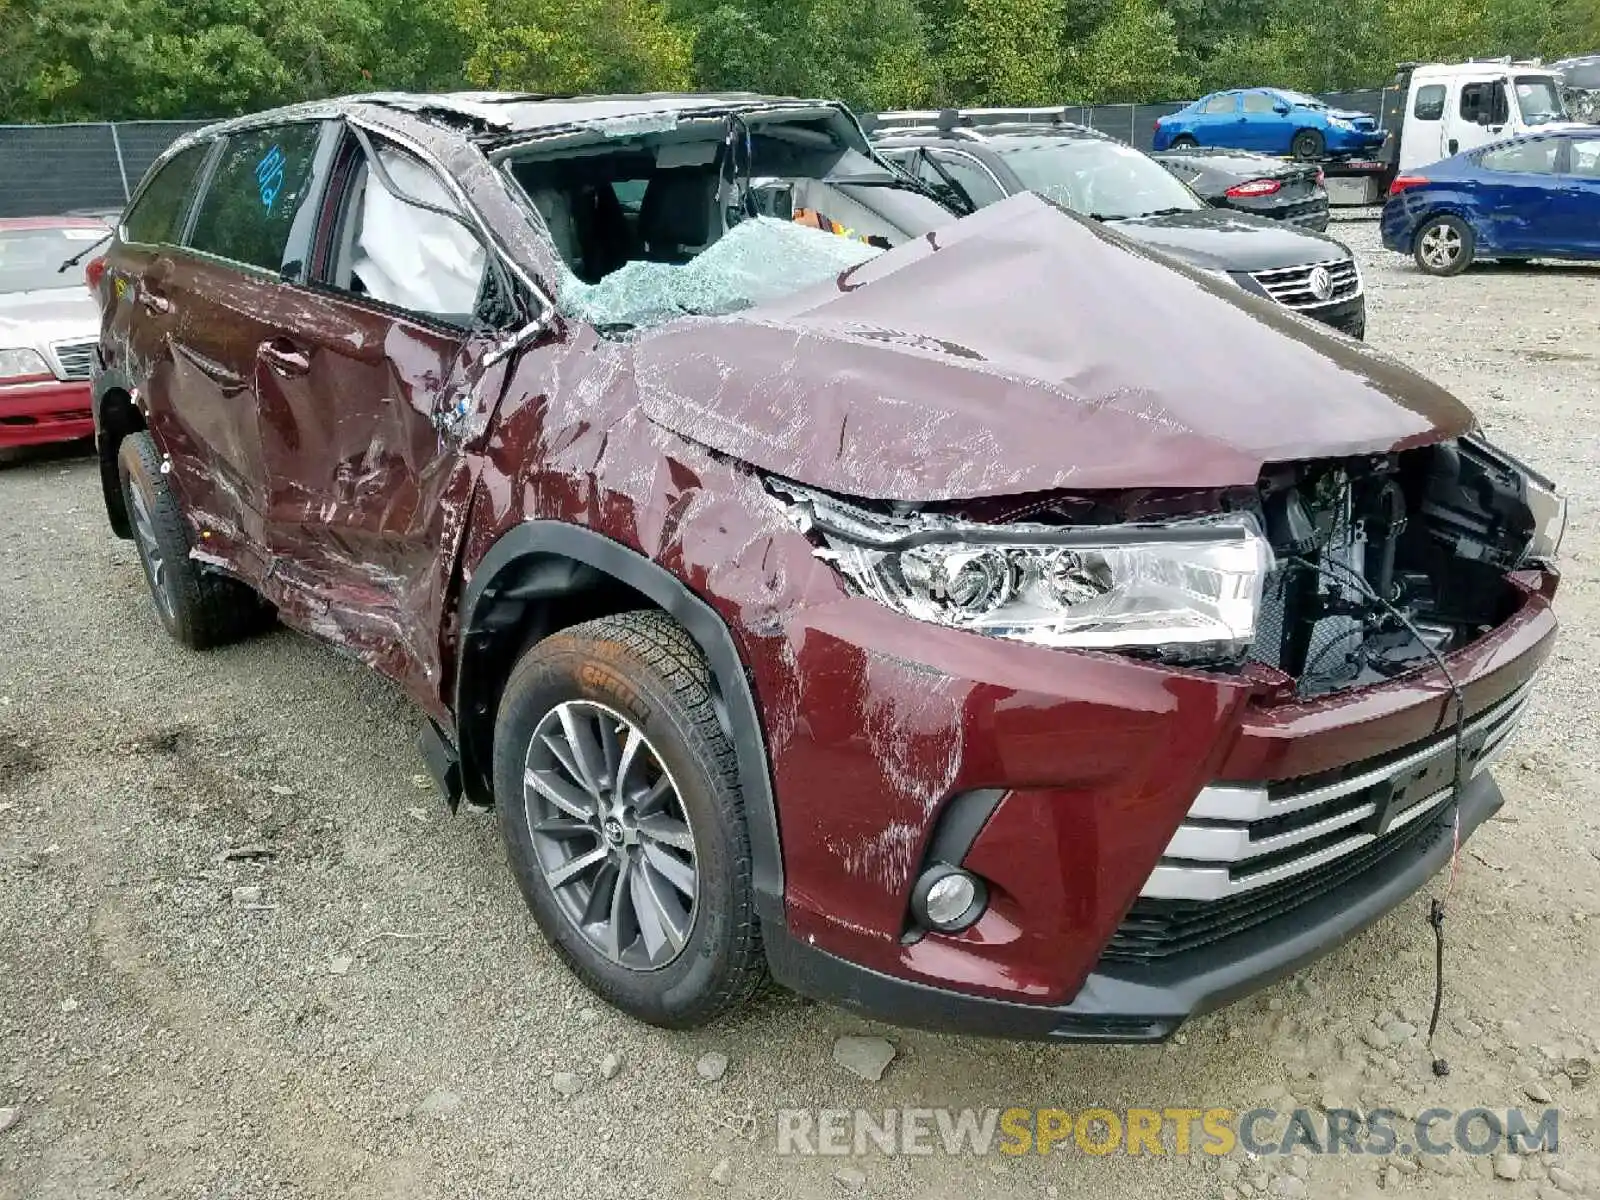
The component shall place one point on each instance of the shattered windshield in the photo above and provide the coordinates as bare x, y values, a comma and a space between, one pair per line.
760, 259
700, 216
1100, 179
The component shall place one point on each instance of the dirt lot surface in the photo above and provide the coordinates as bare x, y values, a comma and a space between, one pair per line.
380, 1018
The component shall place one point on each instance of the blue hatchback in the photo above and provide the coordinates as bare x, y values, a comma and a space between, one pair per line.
1531, 197
1270, 121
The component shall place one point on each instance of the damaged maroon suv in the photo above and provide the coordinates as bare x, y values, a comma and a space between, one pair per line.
817, 584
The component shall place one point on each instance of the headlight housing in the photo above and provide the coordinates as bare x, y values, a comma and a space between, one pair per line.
1187, 589
22, 361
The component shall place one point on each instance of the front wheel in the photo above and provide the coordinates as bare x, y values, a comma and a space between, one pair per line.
1444, 246
619, 801
1308, 144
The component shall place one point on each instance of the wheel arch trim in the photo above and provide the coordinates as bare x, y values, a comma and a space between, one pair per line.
709, 631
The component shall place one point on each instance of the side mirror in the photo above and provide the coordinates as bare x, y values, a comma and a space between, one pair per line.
1281, 108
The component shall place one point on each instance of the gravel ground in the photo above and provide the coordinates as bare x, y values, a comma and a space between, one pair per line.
373, 1014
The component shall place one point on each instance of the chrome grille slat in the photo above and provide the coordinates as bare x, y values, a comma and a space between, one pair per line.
1244, 802
73, 360
1235, 838
1291, 286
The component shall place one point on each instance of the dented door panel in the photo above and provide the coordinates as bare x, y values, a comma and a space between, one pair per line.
369, 478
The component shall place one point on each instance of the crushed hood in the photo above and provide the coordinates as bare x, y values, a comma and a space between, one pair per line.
1022, 349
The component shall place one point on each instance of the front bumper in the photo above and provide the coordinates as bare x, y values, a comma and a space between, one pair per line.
40, 412
1347, 316
1121, 1002
1354, 141
1098, 762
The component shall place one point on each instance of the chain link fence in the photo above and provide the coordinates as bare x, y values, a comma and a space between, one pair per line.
46, 170
51, 169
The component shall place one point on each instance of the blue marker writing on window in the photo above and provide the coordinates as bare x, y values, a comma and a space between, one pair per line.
269, 176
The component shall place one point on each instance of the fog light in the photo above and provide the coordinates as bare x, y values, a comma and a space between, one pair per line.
948, 899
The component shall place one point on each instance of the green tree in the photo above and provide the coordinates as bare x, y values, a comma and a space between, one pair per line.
1006, 52
872, 53
1133, 55
570, 46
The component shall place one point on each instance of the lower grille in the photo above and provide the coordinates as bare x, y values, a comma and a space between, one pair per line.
1241, 838
74, 360
1312, 285
1158, 929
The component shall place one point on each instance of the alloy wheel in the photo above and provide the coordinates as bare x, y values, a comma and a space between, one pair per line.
155, 565
611, 834
1440, 246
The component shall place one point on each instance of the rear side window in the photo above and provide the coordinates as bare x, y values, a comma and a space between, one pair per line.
1536, 157
157, 213
255, 194
1429, 104
1219, 104
1258, 102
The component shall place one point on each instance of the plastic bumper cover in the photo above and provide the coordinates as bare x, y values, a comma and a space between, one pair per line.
39, 412
1139, 1002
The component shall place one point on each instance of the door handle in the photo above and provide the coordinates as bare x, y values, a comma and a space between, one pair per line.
284, 357
154, 301
1454, 145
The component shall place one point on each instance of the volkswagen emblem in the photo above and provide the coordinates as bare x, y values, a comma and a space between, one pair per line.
1320, 283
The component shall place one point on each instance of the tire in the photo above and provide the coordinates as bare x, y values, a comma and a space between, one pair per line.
1444, 246
199, 607
636, 673
1308, 145
1184, 142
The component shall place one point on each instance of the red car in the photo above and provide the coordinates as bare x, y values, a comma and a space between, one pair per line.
814, 583
48, 330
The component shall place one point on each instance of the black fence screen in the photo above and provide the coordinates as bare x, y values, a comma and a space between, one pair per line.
47, 170
50, 169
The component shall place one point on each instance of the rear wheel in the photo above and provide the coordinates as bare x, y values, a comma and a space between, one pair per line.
1444, 246
619, 801
1184, 142
1308, 144
199, 607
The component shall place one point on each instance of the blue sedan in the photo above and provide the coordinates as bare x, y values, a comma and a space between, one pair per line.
1531, 197
1270, 121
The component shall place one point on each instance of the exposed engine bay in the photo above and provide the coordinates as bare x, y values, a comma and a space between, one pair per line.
1383, 563
1336, 573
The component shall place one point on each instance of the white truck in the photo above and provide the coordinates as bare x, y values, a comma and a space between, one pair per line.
1435, 110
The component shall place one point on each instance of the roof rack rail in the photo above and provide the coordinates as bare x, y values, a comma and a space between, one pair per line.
964, 120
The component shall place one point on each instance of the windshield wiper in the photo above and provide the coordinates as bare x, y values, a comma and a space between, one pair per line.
908, 183
78, 257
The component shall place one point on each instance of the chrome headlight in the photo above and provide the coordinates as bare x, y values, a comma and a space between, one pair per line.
22, 362
1549, 509
1190, 583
